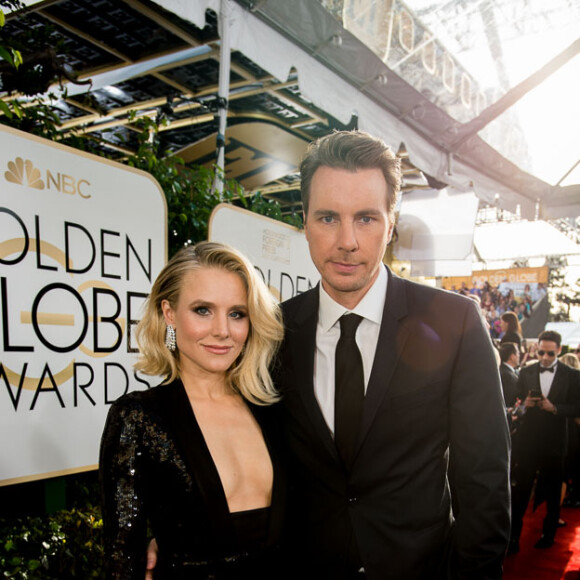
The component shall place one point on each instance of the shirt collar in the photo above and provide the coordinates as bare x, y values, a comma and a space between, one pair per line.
370, 307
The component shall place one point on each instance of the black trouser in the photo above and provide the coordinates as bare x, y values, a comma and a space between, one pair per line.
550, 474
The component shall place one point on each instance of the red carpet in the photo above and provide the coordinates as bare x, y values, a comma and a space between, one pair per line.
561, 561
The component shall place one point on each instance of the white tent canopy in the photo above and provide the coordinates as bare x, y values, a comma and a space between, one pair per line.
343, 77
570, 332
524, 239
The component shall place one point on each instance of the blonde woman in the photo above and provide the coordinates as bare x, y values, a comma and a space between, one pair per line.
570, 359
195, 458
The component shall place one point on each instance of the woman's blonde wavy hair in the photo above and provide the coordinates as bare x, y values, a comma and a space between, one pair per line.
250, 374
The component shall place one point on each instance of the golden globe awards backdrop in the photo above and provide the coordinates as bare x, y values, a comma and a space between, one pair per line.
279, 252
81, 240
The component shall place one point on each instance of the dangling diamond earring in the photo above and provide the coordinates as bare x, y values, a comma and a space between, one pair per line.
170, 338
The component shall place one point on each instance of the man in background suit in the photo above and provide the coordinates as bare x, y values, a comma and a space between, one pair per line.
510, 359
424, 417
551, 391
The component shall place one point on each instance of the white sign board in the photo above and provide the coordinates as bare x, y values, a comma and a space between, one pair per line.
279, 252
81, 241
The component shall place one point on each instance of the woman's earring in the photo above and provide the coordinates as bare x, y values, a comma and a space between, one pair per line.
170, 338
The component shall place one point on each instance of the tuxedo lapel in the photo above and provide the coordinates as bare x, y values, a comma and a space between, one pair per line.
557, 389
392, 337
303, 347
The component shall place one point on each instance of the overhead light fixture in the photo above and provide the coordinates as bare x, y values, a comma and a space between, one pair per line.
335, 41
382, 79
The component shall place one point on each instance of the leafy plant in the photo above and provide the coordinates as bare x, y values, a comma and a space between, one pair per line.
11, 56
190, 192
67, 544
270, 208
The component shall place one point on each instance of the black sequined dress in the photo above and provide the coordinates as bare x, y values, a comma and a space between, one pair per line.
158, 479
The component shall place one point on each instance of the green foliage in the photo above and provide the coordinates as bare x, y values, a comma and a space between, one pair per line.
67, 544
564, 294
13, 57
190, 192
39, 118
271, 208
7, 51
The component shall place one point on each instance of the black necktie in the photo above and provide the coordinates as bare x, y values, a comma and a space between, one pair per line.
544, 369
349, 388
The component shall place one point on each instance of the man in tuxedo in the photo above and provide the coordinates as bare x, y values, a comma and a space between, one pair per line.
391, 399
551, 391
509, 355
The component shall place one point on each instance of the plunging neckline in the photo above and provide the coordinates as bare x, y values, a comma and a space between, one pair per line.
213, 475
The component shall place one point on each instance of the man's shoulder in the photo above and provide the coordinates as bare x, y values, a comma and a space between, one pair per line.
420, 296
297, 302
529, 369
568, 370
507, 373
505, 369
428, 290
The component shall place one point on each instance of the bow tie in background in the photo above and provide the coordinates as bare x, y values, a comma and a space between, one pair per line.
549, 369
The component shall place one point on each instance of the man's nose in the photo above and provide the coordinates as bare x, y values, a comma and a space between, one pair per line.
347, 237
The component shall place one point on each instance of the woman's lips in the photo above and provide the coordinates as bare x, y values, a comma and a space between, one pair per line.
217, 349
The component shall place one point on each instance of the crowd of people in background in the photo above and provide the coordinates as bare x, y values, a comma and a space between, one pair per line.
546, 443
543, 414
497, 300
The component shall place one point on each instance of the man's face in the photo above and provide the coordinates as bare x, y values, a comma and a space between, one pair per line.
348, 229
548, 350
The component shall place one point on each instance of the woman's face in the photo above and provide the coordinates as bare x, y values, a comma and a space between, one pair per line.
210, 319
503, 325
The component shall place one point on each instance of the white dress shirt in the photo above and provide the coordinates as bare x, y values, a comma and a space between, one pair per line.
546, 380
328, 332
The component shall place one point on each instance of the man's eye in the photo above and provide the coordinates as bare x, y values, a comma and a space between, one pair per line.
366, 219
327, 219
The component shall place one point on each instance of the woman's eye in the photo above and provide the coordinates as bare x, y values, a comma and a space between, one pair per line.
237, 315
202, 311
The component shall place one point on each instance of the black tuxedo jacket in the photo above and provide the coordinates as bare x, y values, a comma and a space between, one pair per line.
541, 432
509, 381
156, 470
433, 398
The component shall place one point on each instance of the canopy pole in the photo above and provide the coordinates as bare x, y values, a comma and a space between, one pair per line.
223, 94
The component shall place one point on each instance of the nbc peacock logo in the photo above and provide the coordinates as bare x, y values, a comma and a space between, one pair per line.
22, 172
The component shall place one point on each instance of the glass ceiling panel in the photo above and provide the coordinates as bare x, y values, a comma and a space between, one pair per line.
465, 54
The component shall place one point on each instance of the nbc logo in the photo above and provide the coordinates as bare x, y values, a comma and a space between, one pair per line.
23, 172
